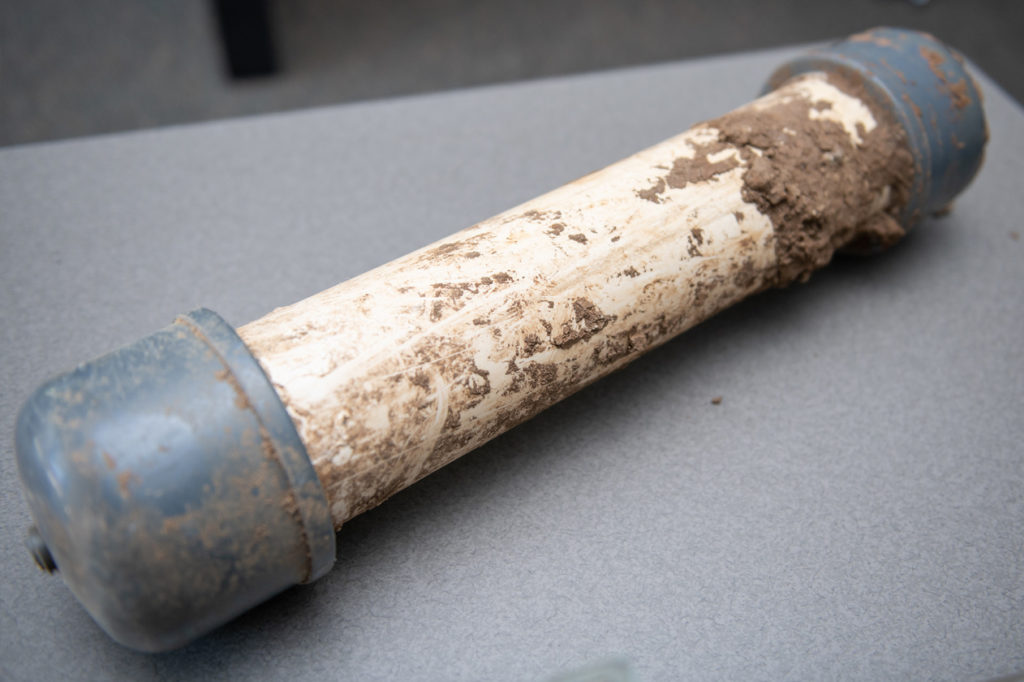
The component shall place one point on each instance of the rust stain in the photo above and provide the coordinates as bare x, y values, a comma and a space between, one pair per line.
899, 74
241, 401
124, 480
869, 37
958, 91
934, 59
913, 106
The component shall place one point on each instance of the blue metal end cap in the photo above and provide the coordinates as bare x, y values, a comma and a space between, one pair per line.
169, 486
925, 84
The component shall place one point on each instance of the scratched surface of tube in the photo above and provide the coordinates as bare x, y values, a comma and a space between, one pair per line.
399, 371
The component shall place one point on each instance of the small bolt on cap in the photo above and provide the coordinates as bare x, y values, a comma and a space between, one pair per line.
39, 551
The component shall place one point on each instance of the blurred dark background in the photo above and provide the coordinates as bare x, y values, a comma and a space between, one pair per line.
72, 67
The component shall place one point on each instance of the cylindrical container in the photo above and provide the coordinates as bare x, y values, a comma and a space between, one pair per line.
182, 479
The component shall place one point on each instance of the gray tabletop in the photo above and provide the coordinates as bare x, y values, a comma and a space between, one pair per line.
854, 507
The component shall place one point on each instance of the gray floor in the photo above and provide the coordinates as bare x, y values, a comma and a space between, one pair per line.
70, 68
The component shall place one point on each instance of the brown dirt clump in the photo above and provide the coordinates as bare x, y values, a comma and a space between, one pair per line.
820, 191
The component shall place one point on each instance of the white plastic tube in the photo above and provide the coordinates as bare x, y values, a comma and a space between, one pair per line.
397, 372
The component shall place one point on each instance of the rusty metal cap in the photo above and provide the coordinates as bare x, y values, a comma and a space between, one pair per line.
927, 87
169, 486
